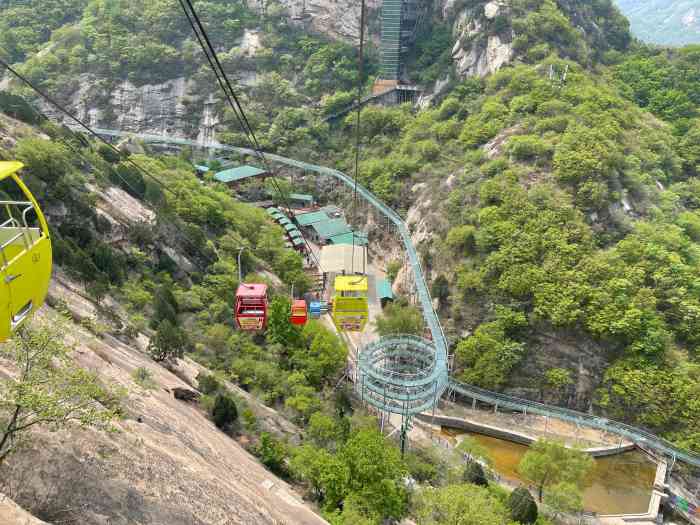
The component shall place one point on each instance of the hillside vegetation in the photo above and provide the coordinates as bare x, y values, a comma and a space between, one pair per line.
568, 210
666, 22
557, 205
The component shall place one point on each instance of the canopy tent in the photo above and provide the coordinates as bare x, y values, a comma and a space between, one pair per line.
338, 259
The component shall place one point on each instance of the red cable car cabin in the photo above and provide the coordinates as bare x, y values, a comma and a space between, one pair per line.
298, 314
251, 307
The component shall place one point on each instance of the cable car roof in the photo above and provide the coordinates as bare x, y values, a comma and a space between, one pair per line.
351, 283
7, 168
251, 290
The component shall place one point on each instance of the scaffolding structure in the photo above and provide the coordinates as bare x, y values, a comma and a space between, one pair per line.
399, 18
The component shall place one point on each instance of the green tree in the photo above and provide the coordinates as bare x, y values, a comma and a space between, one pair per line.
565, 498
327, 475
279, 329
557, 379
548, 463
491, 353
272, 453
224, 412
376, 473
523, 508
49, 390
400, 318
474, 474
323, 357
463, 504
301, 398
168, 343
325, 431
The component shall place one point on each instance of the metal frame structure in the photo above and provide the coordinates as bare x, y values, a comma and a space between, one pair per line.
381, 362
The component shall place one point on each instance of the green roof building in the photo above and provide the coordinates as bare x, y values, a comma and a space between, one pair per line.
307, 219
347, 238
238, 174
324, 230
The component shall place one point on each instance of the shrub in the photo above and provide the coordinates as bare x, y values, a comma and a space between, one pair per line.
143, 377
527, 148
208, 383
271, 453
474, 474
225, 412
523, 508
168, 343
392, 270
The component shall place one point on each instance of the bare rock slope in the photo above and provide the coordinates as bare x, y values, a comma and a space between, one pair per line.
166, 464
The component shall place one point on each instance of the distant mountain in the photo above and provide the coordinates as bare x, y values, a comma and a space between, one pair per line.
672, 22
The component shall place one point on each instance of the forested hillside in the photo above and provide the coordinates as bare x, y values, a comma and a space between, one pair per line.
666, 22
604, 161
568, 208
554, 202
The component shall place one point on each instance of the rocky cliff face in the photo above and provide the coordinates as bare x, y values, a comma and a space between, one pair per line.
339, 19
181, 107
478, 50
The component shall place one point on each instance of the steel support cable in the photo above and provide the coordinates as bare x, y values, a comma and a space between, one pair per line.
233, 100
212, 65
82, 124
94, 134
76, 150
358, 130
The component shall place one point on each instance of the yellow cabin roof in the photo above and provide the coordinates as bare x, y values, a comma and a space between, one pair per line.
351, 283
7, 168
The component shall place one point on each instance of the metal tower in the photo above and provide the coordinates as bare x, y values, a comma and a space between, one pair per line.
399, 18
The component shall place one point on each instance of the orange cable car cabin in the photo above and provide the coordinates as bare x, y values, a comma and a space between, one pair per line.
251, 307
298, 315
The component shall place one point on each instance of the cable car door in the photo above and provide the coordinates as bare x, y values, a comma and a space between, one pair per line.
5, 304
25, 258
18, 277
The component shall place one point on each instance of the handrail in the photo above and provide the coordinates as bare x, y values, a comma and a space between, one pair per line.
636, 435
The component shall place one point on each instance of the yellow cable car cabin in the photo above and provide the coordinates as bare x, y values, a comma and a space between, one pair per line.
25, 251
350, 310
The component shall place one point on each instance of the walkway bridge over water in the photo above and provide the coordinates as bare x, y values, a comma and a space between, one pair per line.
383, 380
